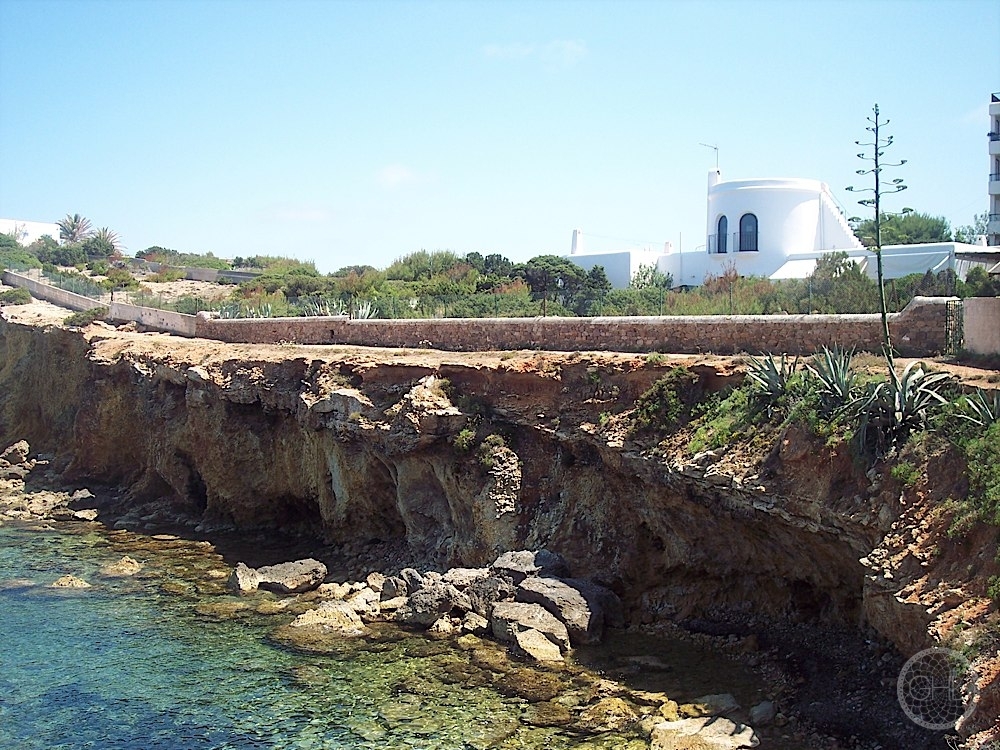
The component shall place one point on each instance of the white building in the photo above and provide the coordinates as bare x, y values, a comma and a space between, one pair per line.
619, 265
27, 232
777, 228
993, 217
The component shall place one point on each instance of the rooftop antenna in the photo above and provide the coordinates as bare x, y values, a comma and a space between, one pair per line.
715, 149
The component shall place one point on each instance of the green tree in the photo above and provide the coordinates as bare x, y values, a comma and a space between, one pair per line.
74, 228
972, 232
107, 237
906, 229
649, 276
552, 278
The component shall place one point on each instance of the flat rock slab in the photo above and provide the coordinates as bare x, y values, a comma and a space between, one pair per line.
292, 577
714, 733
533, 644
508, 618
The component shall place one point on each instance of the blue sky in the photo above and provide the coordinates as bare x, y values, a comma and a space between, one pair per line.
346, 132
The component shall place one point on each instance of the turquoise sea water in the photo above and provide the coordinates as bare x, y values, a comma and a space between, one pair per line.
129, 663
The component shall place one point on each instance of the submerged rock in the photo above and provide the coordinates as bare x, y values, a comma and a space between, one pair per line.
529, 684
69, 582
547, 714
123, 568
607, 715
292, 577
334, 617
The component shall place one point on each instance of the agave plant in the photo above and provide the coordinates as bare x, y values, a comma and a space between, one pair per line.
769, 380
889, 411
980, 408
365, 309
836, 380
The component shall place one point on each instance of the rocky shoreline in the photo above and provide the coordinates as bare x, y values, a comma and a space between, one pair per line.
518, 620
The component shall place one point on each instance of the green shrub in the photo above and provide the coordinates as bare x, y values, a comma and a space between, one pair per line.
491, 443
464, 440
18, 296
720, 420
86, 317
165, 275
983, 457
667, 404
769, 381
905, 473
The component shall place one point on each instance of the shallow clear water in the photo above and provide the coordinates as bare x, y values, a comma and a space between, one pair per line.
130, 664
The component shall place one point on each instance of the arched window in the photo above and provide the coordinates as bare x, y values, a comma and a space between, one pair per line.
748, 233
721, 234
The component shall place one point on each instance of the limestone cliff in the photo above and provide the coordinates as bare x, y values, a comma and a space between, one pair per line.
356, 445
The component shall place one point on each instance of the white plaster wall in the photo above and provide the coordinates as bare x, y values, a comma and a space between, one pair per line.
27, 232
981, 324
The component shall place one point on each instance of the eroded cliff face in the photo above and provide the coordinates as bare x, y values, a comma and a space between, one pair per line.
357, 446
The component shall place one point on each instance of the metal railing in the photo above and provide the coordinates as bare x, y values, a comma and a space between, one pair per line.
745, 242
713, 244
995, 177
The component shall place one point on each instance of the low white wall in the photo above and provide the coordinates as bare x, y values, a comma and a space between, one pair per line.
52, 294
981, 324
164, 320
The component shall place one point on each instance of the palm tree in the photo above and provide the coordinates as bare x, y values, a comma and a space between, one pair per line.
74, 228
108, 237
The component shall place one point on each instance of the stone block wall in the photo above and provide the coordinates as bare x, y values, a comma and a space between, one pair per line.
917, 331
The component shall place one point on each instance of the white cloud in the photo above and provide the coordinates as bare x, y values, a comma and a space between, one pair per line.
559, 53
395, 175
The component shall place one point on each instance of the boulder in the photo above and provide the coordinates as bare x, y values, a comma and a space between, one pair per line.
475, 623
577, 604
711, 733
428, 604
243, 579
762, 714
392, 587
536, 646
485, 592
292, 577
365, 603
516, 566
462, 578
17, 453
375, 581
414, 581
507, 618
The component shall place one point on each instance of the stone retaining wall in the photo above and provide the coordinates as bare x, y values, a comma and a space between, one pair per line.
917, 331
50, 293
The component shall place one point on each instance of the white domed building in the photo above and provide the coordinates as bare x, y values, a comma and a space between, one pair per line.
775, 228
